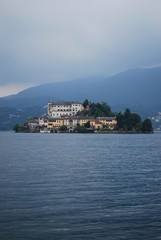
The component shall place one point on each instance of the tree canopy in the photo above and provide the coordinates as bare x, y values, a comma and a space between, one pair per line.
132, 122
96, 109
147, 126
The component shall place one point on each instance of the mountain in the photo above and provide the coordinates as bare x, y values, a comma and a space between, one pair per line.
138, 89
134, 87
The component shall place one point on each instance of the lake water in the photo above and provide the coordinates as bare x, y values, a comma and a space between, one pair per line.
80, 186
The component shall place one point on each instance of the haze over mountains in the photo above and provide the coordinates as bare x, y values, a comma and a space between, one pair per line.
133, 87
139, 89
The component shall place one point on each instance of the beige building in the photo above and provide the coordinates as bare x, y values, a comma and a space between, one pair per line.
84, 120
71, 122
55, 123
108, 121
96, 124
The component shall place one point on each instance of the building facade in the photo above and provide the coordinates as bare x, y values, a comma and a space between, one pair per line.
64, 109
71, 122
64, 113
111, 122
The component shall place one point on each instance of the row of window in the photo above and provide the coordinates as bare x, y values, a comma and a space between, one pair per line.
64, 110
59, 114
61, 106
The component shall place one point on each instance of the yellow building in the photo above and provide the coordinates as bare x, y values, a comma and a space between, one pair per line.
84, 120
96, 124
72, 122
55, 123
111, 122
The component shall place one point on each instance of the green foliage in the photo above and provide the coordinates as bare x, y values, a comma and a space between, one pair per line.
132, 122
100, 110
16, 128
86, 103
83, 129
87, 124
147, 126
63, 128
80, 129
128, 121
97, 110
20, 128
106, 128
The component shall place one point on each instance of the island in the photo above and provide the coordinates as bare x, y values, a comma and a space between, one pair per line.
86, 117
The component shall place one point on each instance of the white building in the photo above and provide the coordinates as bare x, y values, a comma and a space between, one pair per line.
63, 109
43, 121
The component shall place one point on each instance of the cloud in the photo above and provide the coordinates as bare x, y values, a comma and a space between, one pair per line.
10, 89
51, 40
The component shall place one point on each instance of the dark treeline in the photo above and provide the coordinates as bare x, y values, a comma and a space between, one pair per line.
96, 109
126, 122
129, 122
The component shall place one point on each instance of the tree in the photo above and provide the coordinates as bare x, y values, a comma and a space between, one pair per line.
80, 129
16, 128
87, 124
86, 103
120, 121
21, 128
128, 126
147, 126
105, 109
128, 121
63, 128
136, 122
96, 109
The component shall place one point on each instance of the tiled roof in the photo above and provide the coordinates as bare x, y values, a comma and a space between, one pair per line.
64, 103
106, 118
54, 119
98, 122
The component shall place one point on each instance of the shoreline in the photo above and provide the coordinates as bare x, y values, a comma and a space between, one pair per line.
107, 132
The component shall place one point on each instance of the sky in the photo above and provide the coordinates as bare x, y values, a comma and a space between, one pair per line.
45, 41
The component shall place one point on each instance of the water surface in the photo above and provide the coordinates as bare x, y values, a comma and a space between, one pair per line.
80, 186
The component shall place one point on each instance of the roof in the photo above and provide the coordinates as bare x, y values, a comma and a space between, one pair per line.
33, 121
64, 103
106, 118
98, 122
81, 117
54, 119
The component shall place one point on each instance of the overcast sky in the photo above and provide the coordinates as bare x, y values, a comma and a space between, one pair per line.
57, 40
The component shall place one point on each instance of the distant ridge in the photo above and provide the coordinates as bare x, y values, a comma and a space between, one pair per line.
136, 87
